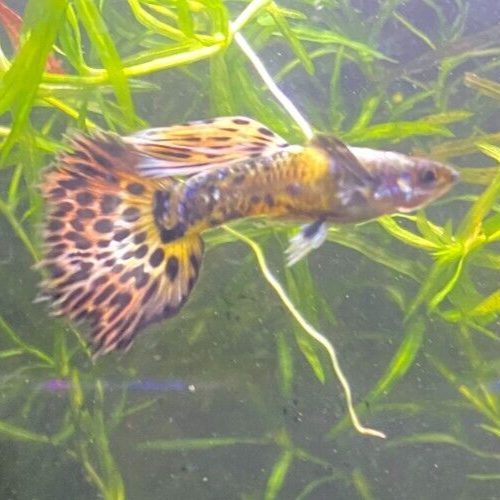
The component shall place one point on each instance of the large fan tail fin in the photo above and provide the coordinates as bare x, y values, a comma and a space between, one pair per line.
105, 258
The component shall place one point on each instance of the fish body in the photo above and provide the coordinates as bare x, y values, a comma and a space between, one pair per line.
323, 180
123, 244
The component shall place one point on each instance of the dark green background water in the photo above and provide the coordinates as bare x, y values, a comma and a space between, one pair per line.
224, 344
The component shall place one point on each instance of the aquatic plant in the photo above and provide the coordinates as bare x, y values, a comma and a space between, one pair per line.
127, 66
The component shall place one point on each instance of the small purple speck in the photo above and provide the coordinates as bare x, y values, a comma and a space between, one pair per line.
57, 384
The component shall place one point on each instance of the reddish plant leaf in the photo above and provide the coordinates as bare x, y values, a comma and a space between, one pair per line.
13, 22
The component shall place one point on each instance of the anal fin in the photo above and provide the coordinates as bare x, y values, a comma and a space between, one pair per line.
310, 237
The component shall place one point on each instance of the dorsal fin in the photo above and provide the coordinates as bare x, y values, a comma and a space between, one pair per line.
341, 155
183, 150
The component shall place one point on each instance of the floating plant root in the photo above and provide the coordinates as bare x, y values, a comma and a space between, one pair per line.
310, 330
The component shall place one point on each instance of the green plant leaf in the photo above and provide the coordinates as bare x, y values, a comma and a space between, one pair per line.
103, 42
395, 132
184, 19
285, 362
310, 34
490, 305
19, 84
222, 100
441, 438
402, 360
16, 433
278, 475
291, 38
304, 294
471, 223
483, 85
392, 227
199, 444
362, 485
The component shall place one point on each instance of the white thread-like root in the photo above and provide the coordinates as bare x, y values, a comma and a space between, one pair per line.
275, 90
310, 330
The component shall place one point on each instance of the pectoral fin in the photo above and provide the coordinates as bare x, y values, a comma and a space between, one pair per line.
310, 237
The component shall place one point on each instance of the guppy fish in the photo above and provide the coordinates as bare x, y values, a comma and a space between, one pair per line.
123, 242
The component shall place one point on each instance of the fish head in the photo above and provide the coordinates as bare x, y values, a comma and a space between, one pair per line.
366, 183
403, 183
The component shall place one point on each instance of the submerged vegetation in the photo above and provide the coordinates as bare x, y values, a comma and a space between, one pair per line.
412, 302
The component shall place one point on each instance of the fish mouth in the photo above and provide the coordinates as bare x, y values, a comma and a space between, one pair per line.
455, 176
422, 198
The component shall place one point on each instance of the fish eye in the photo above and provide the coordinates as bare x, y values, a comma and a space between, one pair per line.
427, 176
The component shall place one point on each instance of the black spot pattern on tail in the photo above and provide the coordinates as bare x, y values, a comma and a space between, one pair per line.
104, 253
